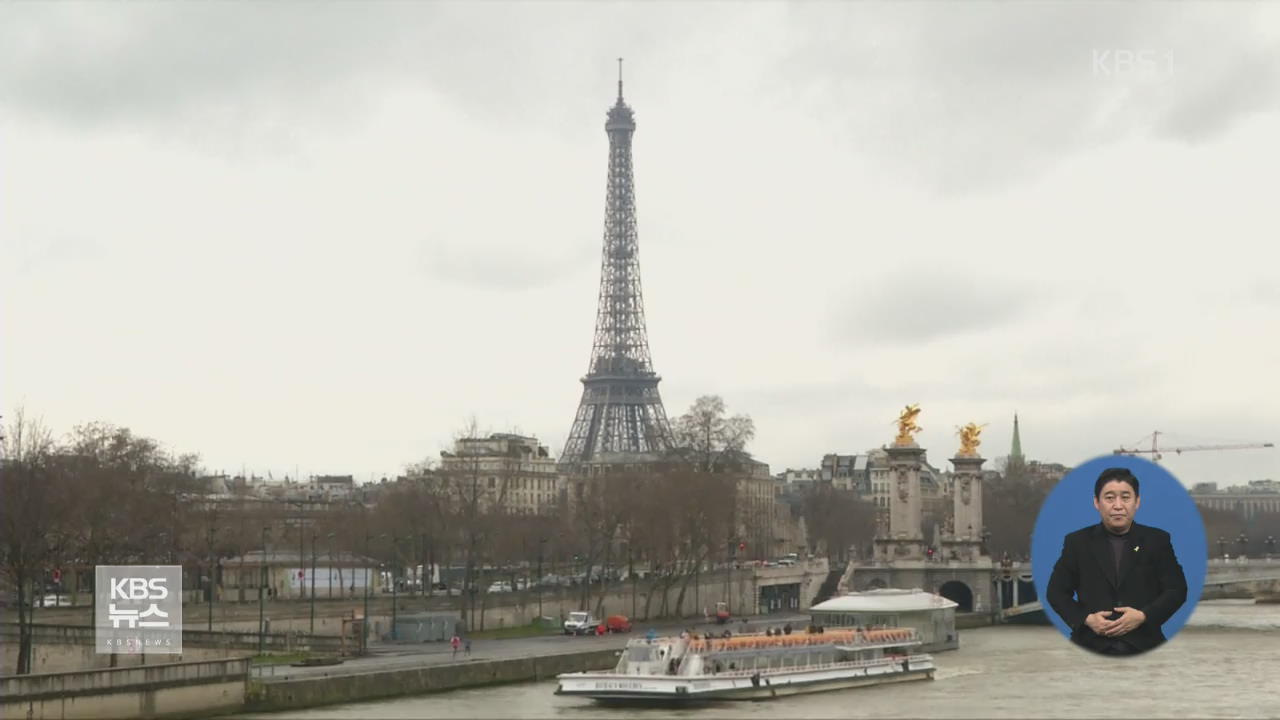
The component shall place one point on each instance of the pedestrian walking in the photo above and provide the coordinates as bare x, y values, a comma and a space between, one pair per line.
455, 642
468, 645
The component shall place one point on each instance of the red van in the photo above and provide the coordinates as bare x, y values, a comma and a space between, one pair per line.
617, 624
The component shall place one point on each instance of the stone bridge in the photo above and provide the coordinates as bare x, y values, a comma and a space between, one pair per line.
1243, 577
1238, 578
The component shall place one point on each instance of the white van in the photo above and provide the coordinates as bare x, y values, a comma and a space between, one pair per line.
580, 622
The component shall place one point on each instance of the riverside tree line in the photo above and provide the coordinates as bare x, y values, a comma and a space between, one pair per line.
103, 495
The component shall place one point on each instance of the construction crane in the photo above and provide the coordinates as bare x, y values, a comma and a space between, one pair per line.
1156, 452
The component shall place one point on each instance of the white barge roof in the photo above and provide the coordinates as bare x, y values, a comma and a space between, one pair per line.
885, 600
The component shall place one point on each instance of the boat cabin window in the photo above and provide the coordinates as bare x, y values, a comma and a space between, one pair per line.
641, 653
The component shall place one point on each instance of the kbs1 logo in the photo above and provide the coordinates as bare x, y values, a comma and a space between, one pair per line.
1140, 64
139, 609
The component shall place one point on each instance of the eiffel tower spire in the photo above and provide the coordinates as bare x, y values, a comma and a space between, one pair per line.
620, 418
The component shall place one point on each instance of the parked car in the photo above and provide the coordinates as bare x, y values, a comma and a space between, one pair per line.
580, 622
617, 624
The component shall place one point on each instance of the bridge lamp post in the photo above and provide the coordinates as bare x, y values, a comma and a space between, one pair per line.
1243, 541
1271, 546
1222, 546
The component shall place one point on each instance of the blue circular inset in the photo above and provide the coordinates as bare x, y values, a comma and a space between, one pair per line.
1163, 503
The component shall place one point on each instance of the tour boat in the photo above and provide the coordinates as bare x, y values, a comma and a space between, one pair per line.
753, 666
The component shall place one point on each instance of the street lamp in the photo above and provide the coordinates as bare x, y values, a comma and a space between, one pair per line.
631, 574
1222, 546
262, 593
1243, 541
368, 583
314, 537
212, 593
364, 624
542, 543
330, 537
1270, 542
395, 555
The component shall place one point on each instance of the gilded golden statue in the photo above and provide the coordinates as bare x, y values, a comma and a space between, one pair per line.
969, 441
907, 426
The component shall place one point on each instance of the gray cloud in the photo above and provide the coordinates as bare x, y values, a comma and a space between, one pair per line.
89, 64
912, 306
45, 252
1228, 86
767, 131
808, 396
1265, 291
966, 96
511, 268
961, 97
190, 63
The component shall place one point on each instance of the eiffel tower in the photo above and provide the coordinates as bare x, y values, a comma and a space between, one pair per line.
620, 419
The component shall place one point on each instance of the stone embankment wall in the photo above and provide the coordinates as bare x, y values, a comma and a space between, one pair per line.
189, 689
339, 688
63, 648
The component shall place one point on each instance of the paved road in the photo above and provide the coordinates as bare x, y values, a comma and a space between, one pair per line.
389, 656
195, 613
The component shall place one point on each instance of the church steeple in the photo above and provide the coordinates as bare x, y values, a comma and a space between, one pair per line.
1016, 452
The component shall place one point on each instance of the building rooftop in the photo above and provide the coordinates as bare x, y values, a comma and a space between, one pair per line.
1254, 487
885, 600
288, 557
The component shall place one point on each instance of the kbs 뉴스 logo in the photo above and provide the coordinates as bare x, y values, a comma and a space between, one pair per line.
139, 609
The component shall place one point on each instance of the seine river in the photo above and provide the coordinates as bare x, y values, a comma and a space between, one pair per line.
1224, 663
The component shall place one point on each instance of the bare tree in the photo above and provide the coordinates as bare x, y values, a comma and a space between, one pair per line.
476, 483
29, 494
836, 520
708, 439
1010, 505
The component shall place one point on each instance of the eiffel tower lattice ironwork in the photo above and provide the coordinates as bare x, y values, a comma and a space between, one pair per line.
620, 418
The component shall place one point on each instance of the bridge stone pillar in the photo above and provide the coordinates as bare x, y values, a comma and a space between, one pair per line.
963, 541
904, 539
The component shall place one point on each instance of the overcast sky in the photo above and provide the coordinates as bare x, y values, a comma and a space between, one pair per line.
323, 236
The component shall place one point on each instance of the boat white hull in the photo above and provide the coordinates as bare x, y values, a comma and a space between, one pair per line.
611, 687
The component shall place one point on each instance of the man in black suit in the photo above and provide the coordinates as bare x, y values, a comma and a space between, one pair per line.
1117, 582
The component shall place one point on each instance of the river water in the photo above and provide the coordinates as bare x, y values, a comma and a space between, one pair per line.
1224, 663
